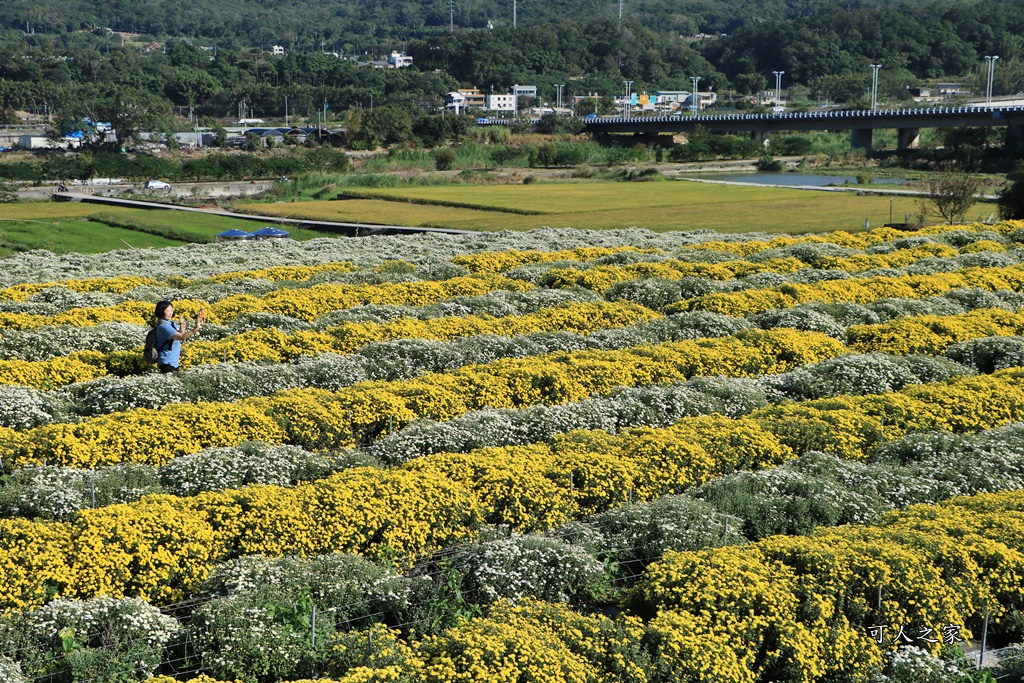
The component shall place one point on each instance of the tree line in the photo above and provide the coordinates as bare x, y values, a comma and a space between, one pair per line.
826, 53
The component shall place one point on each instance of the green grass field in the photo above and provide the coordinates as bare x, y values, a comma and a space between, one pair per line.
91, 228
68, 235
658, 206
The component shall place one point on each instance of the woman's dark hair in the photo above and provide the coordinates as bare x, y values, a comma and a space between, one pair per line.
161, 308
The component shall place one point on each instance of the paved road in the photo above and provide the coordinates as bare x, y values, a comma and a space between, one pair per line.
351, 229
230, 188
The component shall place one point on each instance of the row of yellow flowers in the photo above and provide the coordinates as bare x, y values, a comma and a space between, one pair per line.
927, 334
500, 261
817, 596
808, 606
273, 345
125, 283
496, 262
933, 334
531, 641
315, 418
162, 546
305, 303
113, 285
600, 278
276, 346
853, 290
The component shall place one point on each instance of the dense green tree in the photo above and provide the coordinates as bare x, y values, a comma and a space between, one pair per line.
1011, 197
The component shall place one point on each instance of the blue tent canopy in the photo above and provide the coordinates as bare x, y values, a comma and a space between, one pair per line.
271, 231
229, 235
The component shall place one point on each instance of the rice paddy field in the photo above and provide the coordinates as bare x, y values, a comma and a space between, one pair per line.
657, 206
549, 455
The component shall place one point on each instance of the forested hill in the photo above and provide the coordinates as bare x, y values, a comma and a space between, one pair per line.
359, 25
824, 48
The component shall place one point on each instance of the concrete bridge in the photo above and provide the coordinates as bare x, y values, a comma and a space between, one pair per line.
862, 124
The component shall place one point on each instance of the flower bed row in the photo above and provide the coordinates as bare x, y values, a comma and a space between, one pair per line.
162, 545
272, 345
708, 614
69, 443
742, 247
59, 492
601, 278
561, 565
305, 304
854, 290
317, 419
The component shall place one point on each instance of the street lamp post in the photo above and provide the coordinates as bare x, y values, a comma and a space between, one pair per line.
874, 85
991, 72
778, 89
694, 97
558, 95
625, 105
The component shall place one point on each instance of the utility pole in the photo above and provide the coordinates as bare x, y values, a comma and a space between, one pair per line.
621, 2
991, 72
695, 97
515, 10
451, 16
778, 89
626, 105
874, 85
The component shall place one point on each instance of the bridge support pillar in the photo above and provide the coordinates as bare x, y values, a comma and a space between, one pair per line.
760, 136
860, 138
909, 138
1015, 138
654, 139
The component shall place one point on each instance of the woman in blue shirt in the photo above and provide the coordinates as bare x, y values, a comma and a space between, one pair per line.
170, 334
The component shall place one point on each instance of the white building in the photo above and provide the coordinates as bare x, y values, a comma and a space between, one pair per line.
455, 101
400, 59
43, 142
672, 96
501, 102
524, 90
278, 50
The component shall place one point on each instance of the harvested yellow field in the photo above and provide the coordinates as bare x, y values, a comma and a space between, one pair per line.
658, 206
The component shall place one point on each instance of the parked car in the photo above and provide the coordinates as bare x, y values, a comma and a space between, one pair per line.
157, 185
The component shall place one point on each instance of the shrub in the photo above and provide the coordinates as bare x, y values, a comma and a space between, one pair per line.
654, 293
768, 164
250, 464
872, 373
635, 535
259, 622
989, 354
800, 318
99, 639
114, 394
528, 566
786, 501
25, 408
52, 492
445, 158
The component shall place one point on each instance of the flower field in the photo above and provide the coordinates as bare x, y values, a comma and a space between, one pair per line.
544, 456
